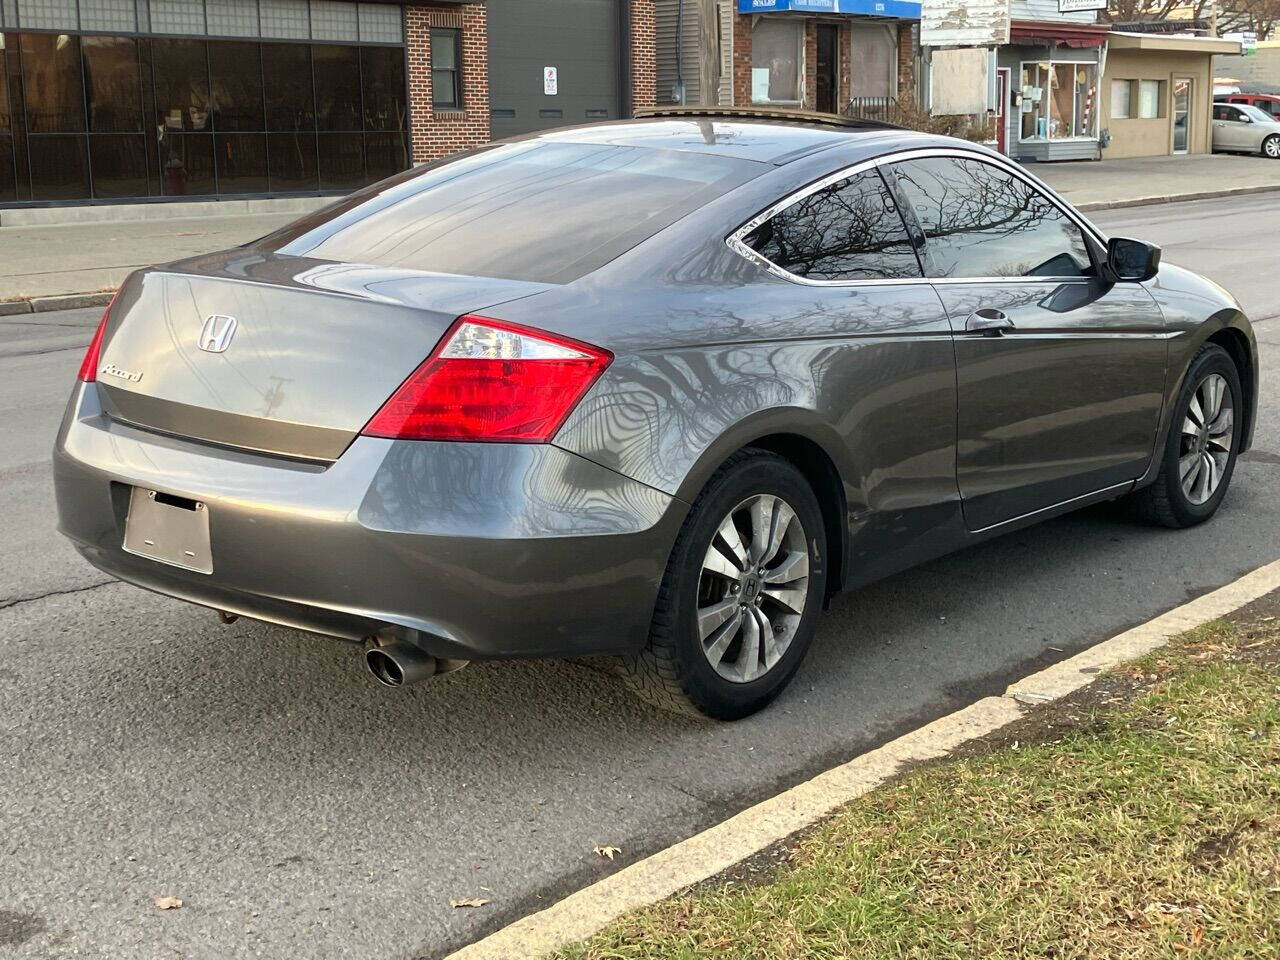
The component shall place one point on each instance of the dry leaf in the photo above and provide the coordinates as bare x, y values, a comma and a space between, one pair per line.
167, 903
468, 902
607, 852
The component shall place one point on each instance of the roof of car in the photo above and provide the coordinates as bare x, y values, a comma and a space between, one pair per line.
764, 136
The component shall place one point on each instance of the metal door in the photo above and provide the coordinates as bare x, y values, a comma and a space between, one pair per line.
552, 63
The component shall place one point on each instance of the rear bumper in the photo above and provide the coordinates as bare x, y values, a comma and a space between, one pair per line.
468, 550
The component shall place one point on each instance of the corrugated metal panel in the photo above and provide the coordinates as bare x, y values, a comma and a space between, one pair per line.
964, 23
726, 53
666, 13
1048, 10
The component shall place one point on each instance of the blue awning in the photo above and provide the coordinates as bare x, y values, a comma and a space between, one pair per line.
901, 9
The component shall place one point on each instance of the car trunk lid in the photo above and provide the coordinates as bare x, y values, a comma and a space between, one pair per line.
280, 355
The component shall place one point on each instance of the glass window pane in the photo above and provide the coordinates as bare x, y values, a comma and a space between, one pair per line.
292, 162
337, 73
775, 61
113, 84
341, 161
177, 16
288, 19
850, 230
380, 23
181, 82
241, 160
51, 79
1148, 99
235, 74
286, 70
1121, 95
382, 73
385, 154
48, 14
334, 20
186, 164
524, 211
119, 164
4, 91
8, 181
444, 49
111, 16
232, 18
9, 14
981, 221
59, 167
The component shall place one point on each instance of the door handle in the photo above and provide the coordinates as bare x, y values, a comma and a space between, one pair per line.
988, 322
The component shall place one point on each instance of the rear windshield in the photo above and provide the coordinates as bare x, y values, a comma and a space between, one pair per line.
547, 212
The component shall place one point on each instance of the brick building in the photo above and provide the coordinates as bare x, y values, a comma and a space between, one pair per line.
828, 55
107, 101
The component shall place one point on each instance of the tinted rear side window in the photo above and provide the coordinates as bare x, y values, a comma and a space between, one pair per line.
548, 212
850, 230
980, 221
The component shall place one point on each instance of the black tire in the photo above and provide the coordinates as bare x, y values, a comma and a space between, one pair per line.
1165, 502
672, 672
1271, 146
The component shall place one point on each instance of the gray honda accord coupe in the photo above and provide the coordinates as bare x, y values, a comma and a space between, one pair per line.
654, 389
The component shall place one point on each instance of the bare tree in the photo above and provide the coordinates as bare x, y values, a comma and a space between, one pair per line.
1258, 16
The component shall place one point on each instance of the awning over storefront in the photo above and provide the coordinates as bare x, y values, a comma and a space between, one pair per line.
1039, 33
899, 9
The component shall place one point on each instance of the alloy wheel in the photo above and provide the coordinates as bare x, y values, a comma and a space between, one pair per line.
1272, 147
1207, 435
752, 588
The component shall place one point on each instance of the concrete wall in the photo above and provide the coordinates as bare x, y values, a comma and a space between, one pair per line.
1136, 137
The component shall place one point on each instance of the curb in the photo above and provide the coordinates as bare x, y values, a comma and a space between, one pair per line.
65, 301
704, 855
1089, 207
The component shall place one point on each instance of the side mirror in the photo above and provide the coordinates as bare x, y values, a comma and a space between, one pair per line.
1132, 260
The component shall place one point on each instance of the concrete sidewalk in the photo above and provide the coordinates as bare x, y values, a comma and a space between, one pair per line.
66, 265
1102, 185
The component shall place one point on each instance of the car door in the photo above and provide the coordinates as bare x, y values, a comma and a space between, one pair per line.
1232, 130
1059, 374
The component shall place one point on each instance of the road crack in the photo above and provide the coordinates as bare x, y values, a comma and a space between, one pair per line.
17, 601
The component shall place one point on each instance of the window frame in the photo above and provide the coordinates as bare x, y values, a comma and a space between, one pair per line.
1093, 237
459, 103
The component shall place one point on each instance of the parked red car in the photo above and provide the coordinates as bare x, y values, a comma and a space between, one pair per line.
1268, 102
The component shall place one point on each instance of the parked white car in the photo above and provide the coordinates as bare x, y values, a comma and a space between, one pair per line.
1241, 128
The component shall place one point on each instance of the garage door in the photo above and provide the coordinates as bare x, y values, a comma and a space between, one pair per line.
578, 38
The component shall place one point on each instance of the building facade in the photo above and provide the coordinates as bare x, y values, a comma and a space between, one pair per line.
1159, 93
828, 55
142, 100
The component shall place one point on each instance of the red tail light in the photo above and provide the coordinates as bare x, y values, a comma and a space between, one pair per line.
89, 365
491, 380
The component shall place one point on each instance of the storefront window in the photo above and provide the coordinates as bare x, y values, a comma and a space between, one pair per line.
1121, 99
85, 116
776, 47
1059, 100
1149, 99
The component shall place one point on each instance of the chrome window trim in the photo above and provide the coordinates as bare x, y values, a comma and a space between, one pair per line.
736, 244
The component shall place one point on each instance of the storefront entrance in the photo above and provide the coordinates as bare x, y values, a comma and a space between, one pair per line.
827, 81
1181, 112
117, 102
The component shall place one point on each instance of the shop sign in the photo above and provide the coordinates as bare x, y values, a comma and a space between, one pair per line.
902, 9
1075, 6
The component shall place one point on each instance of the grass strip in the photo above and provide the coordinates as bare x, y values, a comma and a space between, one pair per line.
1142, 819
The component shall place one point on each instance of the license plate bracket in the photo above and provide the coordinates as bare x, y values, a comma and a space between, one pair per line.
169, 529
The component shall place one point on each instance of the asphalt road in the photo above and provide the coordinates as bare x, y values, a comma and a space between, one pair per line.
300, 810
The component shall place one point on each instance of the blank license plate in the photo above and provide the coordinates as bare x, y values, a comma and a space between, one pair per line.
169, 529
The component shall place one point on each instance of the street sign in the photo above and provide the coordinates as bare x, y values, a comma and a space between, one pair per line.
550, 81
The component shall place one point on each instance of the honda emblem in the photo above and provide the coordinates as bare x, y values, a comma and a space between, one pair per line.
216, 334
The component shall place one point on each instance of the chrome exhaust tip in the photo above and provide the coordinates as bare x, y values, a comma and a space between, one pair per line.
399, 663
